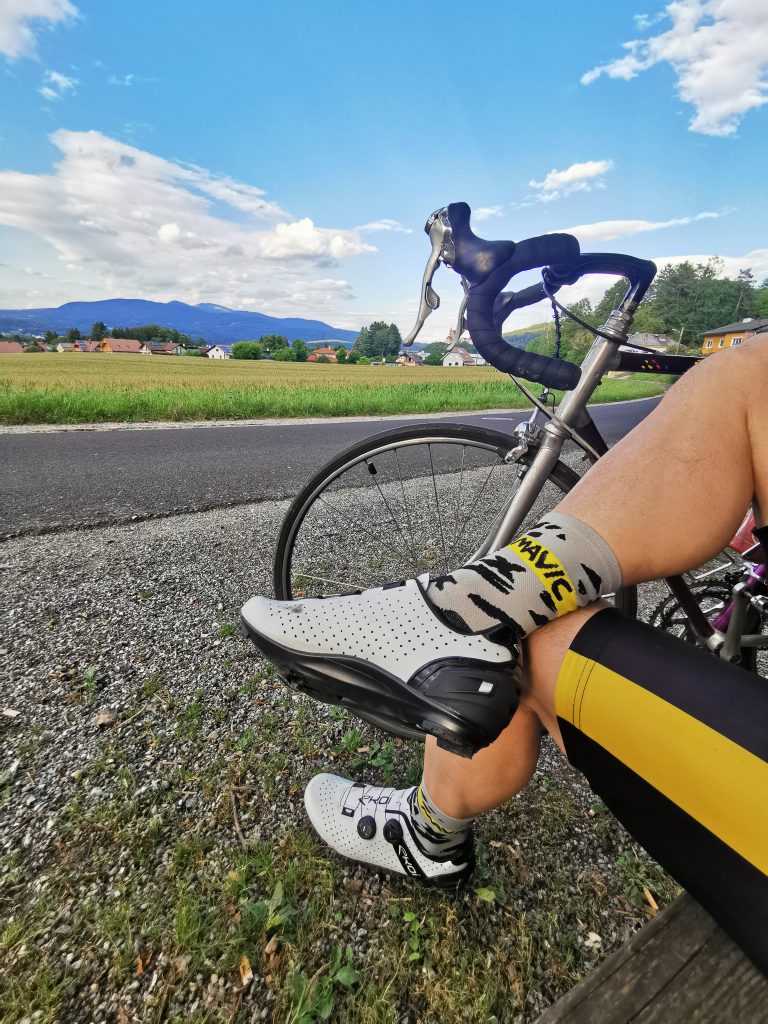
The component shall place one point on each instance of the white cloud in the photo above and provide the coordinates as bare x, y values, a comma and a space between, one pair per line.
718, 51
20, 19
579, 177
132, 223
487, 212
126, 80
55, 85
605, 230
385, 224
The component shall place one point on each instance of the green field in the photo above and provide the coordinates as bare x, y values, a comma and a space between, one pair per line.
90, 388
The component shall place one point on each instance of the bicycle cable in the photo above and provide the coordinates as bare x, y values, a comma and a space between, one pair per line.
558, 308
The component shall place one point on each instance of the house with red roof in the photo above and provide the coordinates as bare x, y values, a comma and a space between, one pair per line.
324, 350
123, 346
11, 348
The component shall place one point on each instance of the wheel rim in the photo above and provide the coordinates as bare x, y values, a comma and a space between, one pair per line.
400, 509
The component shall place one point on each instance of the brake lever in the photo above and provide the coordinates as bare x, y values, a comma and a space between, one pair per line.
461, 319
438, 227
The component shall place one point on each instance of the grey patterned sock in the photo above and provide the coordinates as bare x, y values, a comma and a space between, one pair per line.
559, 565
440, 834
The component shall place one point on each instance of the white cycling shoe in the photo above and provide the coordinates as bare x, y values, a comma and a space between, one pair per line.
389, 655
372, 824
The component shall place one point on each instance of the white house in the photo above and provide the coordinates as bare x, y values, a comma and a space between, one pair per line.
460, 357
223, 351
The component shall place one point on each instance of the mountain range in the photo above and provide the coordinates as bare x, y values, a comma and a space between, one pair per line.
214, 323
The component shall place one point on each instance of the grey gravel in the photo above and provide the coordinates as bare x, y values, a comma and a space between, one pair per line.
91, 621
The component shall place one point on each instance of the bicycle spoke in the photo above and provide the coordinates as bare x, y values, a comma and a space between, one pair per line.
386, 505
477, 499
437, 505
458, 499
360, 524
407, 510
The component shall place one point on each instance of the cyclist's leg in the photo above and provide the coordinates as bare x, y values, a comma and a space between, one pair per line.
672, 492
464, 787
676, 744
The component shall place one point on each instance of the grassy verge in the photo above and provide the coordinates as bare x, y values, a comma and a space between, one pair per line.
94, 404
157, 902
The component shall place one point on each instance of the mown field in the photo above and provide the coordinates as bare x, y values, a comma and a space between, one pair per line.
91, 388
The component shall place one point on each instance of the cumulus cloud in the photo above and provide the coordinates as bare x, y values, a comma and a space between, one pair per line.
579, 177
132, 223
605, 230
21, 19
55, 85
487, 212
717, 50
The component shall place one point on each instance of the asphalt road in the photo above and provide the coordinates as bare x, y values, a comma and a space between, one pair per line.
59, 479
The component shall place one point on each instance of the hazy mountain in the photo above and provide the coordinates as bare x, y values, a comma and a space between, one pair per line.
214, 323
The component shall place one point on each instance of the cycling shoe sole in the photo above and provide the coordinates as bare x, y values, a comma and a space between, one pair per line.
377, 695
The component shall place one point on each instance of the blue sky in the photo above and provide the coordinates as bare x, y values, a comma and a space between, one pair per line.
284, 157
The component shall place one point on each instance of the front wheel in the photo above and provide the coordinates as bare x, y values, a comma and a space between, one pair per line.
415, 499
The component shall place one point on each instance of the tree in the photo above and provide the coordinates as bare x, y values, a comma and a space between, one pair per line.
272, 342
353, 356
341, 354
72, 335
322, 359
435, 354
98, 331
364, 361
300, 350
360, 343
283, 355
379, 341
50, 337
247, 350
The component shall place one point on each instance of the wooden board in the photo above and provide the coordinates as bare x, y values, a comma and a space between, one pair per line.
679, 968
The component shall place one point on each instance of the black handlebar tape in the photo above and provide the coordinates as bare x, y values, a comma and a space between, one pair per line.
484, 331
507, 302
546, 370
640, 273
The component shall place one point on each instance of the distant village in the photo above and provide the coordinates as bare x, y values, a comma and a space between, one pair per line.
450, 353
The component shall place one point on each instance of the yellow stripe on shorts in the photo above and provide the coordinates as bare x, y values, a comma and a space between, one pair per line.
718, 783
549, 571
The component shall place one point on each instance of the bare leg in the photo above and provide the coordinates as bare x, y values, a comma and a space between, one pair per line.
666, 498
673, 492
465, 787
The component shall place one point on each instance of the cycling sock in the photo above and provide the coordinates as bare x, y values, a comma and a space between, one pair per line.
675, 741
439, 833
559, 565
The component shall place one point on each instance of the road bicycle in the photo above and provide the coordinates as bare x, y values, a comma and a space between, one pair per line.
432, 496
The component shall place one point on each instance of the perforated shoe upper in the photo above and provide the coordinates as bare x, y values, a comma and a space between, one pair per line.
393, 628
372, 824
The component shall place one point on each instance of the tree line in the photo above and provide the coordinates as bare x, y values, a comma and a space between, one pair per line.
684, 302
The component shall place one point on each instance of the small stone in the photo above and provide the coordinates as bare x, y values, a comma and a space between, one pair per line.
104, 718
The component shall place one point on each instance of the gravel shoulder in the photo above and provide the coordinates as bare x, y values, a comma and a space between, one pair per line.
154, 851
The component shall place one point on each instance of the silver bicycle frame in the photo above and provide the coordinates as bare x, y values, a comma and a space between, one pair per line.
561, 426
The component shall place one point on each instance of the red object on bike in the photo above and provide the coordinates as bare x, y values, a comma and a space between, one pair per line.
744, 539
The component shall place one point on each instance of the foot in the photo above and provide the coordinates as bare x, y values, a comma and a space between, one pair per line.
373, 825
389, 655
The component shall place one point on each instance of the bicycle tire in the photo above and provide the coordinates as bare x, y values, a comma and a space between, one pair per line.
303, 530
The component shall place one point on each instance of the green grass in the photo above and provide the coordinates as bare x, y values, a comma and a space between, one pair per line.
99, 404
135, 877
